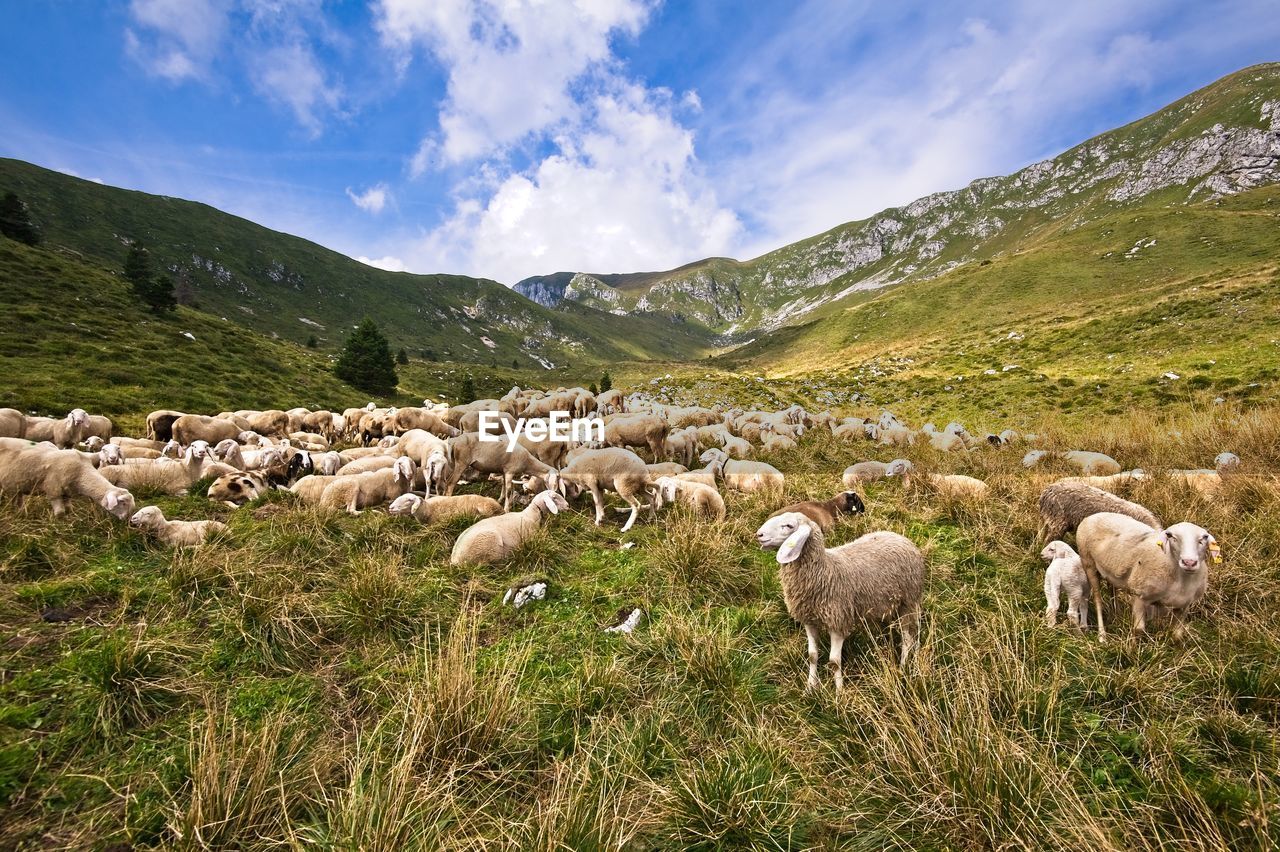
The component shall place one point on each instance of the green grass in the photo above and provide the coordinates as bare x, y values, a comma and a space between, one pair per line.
333, 681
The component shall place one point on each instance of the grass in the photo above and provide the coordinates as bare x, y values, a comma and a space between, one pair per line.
315, 680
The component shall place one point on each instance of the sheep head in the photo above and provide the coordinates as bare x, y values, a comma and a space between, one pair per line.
787, 533
118, 502
148, 517
1189, 547
551, 501
77, 417
405, 504
1056, 550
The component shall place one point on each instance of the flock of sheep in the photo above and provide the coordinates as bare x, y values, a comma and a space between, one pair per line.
412, 460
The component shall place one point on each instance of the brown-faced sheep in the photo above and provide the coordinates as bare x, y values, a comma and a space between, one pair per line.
825, 513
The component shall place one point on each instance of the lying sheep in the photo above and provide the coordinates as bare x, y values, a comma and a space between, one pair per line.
1065, 573
1064, 504
1092, 464
495, 539
703, 498
825, 513
1167, 568
952, 485
169, 476
363, 490
443, 508
876, 578
235, 489
174, 533
13, 423
1112, 483
59, 476
311, 488
746, 476
865, 471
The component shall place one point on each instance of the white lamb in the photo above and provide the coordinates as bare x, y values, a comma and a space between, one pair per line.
1065, 573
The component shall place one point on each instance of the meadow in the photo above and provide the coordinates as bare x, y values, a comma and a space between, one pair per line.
324, 681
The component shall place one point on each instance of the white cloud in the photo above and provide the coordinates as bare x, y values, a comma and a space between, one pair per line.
290, 75
76, 174
622, 194
511, 65
176, 39
389, 263
373, 199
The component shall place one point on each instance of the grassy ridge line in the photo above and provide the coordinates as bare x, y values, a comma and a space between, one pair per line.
311, 679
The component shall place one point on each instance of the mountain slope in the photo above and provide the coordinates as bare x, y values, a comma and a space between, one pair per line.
1220, 140
286, 286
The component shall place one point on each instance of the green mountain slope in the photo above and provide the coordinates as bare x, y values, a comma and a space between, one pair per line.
288, 287
1218, 141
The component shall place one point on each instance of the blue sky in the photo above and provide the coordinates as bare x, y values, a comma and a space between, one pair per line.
518, 137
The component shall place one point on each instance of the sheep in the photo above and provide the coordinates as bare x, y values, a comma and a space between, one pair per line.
367, 464
58, 475
825, 513
745, 476
658, 469
864, 471
1226, 461
409, 418
682, 445
326, 463
947, 442
467, 452
637, 430
1092, 464
952, 485
272, 422
1064, 504
775, 443
1034, 457
320, 422
877, 578
99, 426
189, 428
704, 498
64, 433
494, 539
897, 436
174, 533
311, 488
235, 488
168, 476
13, 423
613, 469
442, 508
369, 489
1167, 568
1065, 574
1207, 483
738, 448
230, 452
160, 424
1112, 483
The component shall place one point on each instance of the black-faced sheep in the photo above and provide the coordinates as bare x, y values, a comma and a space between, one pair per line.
825, 513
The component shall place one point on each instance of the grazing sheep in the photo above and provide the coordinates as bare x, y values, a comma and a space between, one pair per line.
637, 430
864, 471
825, 513
467, 452
1092, 464
746, 476
874, 579
13, 423
235, 489
1166, 568
953, 485
442, 508
610, 469
58, 475
704, 498
1064, 504
494, 539
363, 490
189, 428
409, 418
1065, 574
174, 533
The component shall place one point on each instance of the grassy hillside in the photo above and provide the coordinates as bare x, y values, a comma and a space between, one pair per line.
281, 285
310, 680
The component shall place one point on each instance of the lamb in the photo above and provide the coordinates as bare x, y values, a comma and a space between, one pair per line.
190, 428
745, 476
1092, 464
1065, 574
613, 469
1167, 568
58, 475
1064, 504
703, 498
825, 513
494, 539
443, 508
231, 453
326, 463
369, 489
952, 485
175, 533
876, 578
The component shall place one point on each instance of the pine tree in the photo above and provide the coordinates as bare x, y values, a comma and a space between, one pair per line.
606, 382
15, 220
159, 294
366, 361
594, 390
515, 364
467, 393
312, 343
154, 290
402, 357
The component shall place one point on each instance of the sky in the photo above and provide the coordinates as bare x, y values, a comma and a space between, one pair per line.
509, 138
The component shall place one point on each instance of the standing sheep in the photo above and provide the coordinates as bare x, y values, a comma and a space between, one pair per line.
1167, 568
1065, 573
874, 579
1064, 504
58, 475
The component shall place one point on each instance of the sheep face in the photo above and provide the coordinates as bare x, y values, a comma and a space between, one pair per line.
667, 488
1056, 550
225, 448
77, 417
1226, 461
551, 501
899, 467
712, 455
147, 518
850, 502
93, 443
118, 502
172, 449
110, 454
404, 469
1189, 547
787, 534
405, 504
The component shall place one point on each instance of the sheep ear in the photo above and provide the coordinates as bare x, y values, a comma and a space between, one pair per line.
112, 500
1215, 552
792, 547
550, 502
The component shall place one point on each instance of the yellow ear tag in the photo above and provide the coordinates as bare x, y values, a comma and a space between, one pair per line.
1160, 543
1215, 553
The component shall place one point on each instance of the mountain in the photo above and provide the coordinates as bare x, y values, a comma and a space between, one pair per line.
1218, 141
287, 287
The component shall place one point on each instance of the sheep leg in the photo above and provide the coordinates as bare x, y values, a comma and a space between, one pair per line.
1180, 630
1139, 616
506, 492
909, 627
1052, 600
598, 499
1095, 585
811, 633
635, 511
834, 661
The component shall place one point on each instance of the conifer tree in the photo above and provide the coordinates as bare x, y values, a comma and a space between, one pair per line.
366, 361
